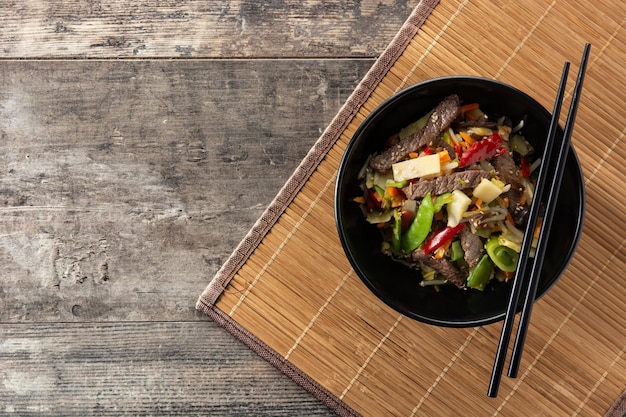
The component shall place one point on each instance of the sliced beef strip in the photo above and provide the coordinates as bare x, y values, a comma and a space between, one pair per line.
443, 266
473, 247
482, 122
505, 166
506, 169
441, 118
454, 181
413, 143
518, 211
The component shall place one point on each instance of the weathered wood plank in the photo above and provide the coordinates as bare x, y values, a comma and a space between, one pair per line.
175, 28
124, 185
140, 369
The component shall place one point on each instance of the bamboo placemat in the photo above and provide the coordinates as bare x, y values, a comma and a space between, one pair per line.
289, 292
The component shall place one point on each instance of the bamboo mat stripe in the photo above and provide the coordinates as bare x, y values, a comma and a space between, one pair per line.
285, 366
290, 294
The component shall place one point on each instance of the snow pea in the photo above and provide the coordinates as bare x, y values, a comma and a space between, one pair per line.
396, 231
420, 227
480, 275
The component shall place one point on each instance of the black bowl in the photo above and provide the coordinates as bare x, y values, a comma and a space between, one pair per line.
398, 285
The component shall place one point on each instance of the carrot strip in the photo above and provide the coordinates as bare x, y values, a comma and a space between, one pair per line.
468, 107
467, 138
393, 191
441, 252
444, 156
538, 228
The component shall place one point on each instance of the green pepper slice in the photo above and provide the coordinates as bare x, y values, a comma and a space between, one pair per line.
397, 184
503, 257
420, 227
480, 275
441, 201
519, 144
456, 251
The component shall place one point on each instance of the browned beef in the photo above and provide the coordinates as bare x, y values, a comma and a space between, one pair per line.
455, 181
443, 266
506, 169
519, 212
481, 122
473, 247
441, 118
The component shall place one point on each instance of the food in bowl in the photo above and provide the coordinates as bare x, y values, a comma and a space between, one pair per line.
450, 194
397, 284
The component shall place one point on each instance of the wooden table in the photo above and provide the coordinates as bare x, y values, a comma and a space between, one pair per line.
140, 142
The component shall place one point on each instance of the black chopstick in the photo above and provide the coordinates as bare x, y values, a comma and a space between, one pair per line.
520, 273
544, 232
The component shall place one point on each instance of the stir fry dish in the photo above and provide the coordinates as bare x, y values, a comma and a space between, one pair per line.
451, 194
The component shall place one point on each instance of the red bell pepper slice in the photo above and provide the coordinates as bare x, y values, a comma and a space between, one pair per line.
441, 237
482, 149
525, 167
373, 200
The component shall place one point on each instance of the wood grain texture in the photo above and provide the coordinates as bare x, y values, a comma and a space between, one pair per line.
127, 184
218, 29
140, 369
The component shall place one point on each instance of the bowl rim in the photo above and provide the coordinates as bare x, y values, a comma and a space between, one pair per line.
463, 323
